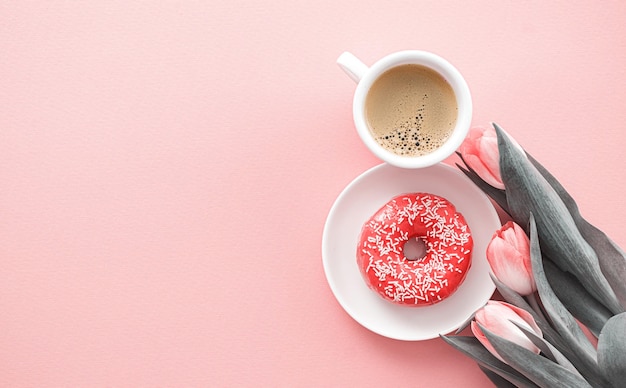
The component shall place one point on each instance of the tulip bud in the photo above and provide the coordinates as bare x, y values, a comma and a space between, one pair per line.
498, 318
480, 153
508, 254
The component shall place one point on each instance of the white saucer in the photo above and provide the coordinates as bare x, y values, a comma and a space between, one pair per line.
360, 200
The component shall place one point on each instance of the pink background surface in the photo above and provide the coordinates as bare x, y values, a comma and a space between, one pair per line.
167, 168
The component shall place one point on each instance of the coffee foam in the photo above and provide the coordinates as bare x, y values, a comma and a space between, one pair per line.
409, 139
411, 110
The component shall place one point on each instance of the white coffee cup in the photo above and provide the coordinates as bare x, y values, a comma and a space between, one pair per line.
365, 78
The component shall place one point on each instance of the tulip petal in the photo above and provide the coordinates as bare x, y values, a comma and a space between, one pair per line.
612, 350
471, 347
484, 171
515, 299
514, 275
489, 158
611, 258
536, 368
528, 319
497, 316
483, 340
509, 258
528, 191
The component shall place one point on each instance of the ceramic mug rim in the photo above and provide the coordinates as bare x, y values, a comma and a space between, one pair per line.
450, 74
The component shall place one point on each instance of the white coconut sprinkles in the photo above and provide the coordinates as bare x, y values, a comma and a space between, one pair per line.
425, 281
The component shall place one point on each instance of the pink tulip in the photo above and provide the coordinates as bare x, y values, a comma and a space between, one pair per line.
508, 254
497, 317
480, 153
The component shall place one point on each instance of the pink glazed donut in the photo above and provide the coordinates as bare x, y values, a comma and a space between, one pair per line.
417, 281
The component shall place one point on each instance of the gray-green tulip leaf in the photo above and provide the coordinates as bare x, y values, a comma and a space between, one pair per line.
553, 354
576, 299
538, 369
612, 350
512, 297
527, 191
585, 367
471, 347
549, 351
611, 258
497, 380
562, 320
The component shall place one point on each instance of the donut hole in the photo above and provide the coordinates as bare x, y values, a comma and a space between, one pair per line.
414, 249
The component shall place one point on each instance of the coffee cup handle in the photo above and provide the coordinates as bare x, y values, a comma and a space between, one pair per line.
352, 66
